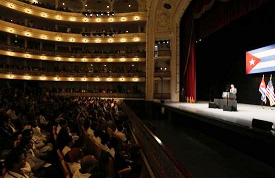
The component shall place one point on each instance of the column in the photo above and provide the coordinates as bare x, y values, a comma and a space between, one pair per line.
150, 61
26, 22
112, 5
56, 3
56, 27
41, 45
174, 93
26, 43
139, 29
55, 46
9, 39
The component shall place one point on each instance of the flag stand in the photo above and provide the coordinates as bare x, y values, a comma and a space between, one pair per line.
262, 105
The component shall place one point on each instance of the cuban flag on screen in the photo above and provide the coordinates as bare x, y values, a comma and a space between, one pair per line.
262, 90
260, 60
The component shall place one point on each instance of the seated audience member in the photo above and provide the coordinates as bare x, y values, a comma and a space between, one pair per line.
27, 146
104, 142
104, 165
62, 138
42, 148
41, 138
69, 144
39, 167
90, 127
9, 126
121, 159
38, 132
88, 164
73, 158
62, 123
120, 133
14, 163
42, 120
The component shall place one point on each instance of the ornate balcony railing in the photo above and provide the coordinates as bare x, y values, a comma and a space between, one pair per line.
161, 161
70, 16
162, 96
69, 74
68, 37
21, 52
162, 53
101, 95
163, 74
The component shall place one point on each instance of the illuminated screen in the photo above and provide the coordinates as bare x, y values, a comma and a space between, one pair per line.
260, 60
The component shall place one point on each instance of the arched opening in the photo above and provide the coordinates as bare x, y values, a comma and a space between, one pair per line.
98, 5
125, 6
213, 47
72, 5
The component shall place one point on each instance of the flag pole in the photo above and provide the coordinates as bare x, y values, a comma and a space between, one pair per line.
262, 100
269, 100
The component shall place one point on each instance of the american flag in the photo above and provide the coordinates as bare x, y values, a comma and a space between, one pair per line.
270, 92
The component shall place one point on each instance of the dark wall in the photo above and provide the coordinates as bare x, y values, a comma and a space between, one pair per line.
221, 56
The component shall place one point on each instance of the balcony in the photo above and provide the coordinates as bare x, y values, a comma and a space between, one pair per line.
162, 54
162, 96
163, 74
56, 15
101, 95
68, 37
109, 56
68, 74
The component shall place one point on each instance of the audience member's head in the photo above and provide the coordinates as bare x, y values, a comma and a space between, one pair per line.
26, 143
15, 160
63, 123
113, 143
104, 138
74, 155
27, 133
87, 124
119, 128
88, 163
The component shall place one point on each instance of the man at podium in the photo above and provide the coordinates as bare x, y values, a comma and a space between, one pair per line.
231, 95
228, 101
233, 90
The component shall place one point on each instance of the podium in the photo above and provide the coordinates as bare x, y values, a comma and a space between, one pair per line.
227, 103
229, 96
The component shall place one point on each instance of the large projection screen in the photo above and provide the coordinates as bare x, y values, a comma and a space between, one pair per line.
260, 60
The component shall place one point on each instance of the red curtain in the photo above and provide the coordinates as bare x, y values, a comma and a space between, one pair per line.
190, 75
211, 15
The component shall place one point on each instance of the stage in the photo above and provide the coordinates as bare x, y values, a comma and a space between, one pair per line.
243, 116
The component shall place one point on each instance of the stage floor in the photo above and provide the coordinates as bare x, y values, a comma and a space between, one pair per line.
243, 116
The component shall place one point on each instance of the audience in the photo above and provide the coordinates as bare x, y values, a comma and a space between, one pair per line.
67, 115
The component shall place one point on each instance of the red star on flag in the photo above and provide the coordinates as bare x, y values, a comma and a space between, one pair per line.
251, 62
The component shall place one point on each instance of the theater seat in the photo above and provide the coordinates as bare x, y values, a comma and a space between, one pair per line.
66, 169
60, 155
110, 169
109, 132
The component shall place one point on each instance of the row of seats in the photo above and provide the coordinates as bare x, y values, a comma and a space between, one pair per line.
95, 149
63, 164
